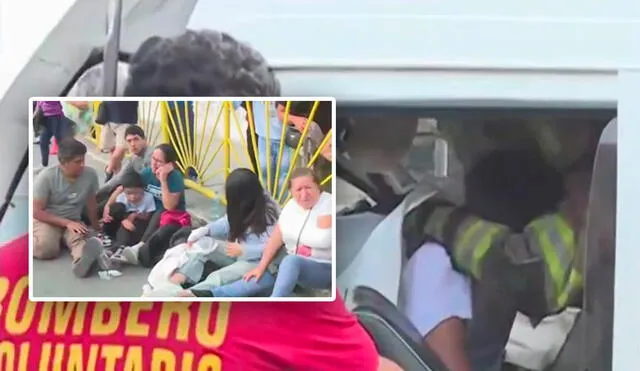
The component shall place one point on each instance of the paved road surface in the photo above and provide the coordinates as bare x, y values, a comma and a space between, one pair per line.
54, 278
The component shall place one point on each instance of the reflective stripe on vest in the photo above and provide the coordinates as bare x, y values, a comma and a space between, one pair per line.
552, 237
473, 241
574, 285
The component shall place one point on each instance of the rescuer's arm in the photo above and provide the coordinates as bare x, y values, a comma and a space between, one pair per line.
537, 266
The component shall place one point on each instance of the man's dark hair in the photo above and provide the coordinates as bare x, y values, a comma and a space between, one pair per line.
70, 149
134, 130
132, 179
199, 63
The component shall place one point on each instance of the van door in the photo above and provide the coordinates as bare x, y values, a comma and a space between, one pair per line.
600, 256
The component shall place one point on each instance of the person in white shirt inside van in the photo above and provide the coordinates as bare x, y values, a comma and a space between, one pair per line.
129, 216
305, 229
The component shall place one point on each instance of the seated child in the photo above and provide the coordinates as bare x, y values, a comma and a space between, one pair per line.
129, 215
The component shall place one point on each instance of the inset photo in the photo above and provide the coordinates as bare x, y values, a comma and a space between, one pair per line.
156, 199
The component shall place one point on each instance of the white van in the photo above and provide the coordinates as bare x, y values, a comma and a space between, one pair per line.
410, 73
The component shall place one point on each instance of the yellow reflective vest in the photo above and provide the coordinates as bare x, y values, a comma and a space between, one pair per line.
470, 242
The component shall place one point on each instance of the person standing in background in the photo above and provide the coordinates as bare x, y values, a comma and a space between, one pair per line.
268, 133
53, 124
115, 117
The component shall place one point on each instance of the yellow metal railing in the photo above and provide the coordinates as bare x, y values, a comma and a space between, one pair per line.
199, 131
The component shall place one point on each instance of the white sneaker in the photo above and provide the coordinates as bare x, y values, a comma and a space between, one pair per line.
130, 254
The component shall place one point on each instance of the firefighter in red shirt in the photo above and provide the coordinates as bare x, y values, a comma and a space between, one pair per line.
179, 336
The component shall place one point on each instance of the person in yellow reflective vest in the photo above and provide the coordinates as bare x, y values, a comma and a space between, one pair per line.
537, 271
543, 260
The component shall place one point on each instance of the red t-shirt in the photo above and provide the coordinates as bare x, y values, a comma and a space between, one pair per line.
172, 336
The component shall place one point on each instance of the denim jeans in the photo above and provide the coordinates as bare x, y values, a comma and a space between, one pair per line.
296, 269
274, 154
54, 127
244, 288
194, 267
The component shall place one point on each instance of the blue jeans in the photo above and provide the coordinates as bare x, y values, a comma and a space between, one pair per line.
296, 269
244, 288
285, 164
53, 126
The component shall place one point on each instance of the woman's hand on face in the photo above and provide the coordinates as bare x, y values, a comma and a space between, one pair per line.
163, 171
254, 273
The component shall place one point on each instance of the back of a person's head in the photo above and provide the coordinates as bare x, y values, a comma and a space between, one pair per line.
248, 206
512, 187
199, 63
69, 149
132, 179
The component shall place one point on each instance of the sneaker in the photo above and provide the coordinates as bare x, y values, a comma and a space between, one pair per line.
105, 240
36, 140
104, 263
90, 253
127, 255
130, 255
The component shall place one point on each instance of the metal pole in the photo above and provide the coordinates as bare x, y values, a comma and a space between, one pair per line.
111, 51
17, 177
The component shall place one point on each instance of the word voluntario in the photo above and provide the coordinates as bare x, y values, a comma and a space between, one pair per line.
108, 336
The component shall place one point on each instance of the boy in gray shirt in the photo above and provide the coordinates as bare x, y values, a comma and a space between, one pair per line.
140, 158
60, 196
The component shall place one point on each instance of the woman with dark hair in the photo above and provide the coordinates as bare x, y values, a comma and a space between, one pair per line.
166, 184
304, 229
234, 242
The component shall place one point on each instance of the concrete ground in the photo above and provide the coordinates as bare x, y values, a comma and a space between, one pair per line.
54, 278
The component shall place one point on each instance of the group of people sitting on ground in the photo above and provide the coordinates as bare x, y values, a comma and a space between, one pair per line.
142, 211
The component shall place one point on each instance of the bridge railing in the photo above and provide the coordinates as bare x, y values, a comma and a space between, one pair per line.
212, 138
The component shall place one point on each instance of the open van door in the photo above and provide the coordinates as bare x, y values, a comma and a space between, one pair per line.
600, 256
589, 345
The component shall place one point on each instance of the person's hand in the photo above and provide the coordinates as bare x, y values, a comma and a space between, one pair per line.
254, 273
233, 249
327, 152
128, 225
105, 215
197, 234
298, 122
163, 172
77, 228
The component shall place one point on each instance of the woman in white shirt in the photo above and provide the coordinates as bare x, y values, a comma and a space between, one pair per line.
304, 228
